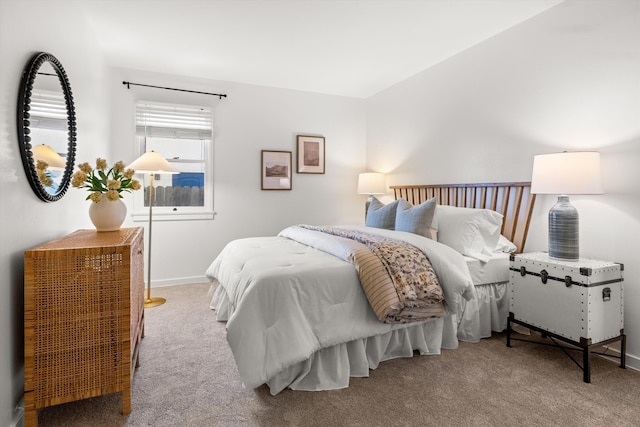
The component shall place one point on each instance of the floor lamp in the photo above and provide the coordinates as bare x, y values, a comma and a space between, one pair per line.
151, 163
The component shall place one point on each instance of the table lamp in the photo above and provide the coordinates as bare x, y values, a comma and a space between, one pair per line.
563, 174
371, 183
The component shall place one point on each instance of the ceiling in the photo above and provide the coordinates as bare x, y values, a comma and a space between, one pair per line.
352, 48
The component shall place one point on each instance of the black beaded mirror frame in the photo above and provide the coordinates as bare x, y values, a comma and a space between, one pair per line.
24, 139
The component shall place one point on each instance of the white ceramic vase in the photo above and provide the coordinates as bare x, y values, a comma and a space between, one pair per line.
107, 215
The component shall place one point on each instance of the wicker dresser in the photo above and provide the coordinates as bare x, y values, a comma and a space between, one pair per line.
83, 317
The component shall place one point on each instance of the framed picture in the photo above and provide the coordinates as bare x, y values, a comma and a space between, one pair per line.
276, 170
310, 154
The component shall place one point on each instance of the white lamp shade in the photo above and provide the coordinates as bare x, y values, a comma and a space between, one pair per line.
152, 162
372, 183
48, 155
567, 173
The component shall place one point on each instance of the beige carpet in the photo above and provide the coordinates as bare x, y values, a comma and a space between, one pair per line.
187, 377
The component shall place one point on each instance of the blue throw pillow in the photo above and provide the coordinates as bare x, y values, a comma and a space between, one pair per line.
380, 215
419, 219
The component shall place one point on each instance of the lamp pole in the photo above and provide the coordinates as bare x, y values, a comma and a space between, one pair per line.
151, 302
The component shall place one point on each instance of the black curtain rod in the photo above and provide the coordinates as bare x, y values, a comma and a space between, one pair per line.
128, 84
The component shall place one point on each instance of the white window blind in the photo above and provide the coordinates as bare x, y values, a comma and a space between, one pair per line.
48, 110
173, 121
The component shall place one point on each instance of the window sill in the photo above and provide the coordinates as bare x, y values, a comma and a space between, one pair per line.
173, 216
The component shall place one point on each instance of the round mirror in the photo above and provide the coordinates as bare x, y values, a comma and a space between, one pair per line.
46, 127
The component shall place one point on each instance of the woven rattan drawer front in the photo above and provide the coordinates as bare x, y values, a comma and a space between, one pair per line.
82, 317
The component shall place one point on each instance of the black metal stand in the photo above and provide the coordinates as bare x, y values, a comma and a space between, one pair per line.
585, 345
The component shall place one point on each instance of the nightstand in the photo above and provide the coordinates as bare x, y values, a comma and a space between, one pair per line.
580, 303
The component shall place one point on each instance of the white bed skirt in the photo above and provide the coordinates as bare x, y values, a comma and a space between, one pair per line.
330, 368
486, 313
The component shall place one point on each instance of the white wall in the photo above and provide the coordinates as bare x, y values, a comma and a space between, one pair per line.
25, 221
248, 120
568, 79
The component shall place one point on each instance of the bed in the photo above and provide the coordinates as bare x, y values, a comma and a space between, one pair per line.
298, 317
514, 201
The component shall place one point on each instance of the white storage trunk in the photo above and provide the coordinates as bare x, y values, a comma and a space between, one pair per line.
581, 301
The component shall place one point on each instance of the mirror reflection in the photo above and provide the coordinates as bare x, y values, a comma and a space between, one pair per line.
48, 128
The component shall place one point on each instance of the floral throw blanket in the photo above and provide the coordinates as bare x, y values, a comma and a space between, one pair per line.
397, 277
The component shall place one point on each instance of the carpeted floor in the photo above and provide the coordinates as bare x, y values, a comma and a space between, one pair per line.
188, 377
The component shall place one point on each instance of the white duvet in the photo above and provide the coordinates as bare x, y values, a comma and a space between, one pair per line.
289, 298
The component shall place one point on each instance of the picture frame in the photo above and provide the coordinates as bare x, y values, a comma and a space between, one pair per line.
311, 154
275, 170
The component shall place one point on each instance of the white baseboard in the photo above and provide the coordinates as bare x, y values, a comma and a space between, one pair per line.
631, 361
179, 281
18, 414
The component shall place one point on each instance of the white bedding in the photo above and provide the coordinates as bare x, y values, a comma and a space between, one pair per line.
487, 312
496, 270
284, 301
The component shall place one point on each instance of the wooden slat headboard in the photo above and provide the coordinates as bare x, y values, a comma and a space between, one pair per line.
512, 199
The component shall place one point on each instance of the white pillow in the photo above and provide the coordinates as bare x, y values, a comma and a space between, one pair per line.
505, 245
472, 232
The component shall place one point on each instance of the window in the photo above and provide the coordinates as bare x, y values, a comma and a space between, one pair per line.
183, 135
